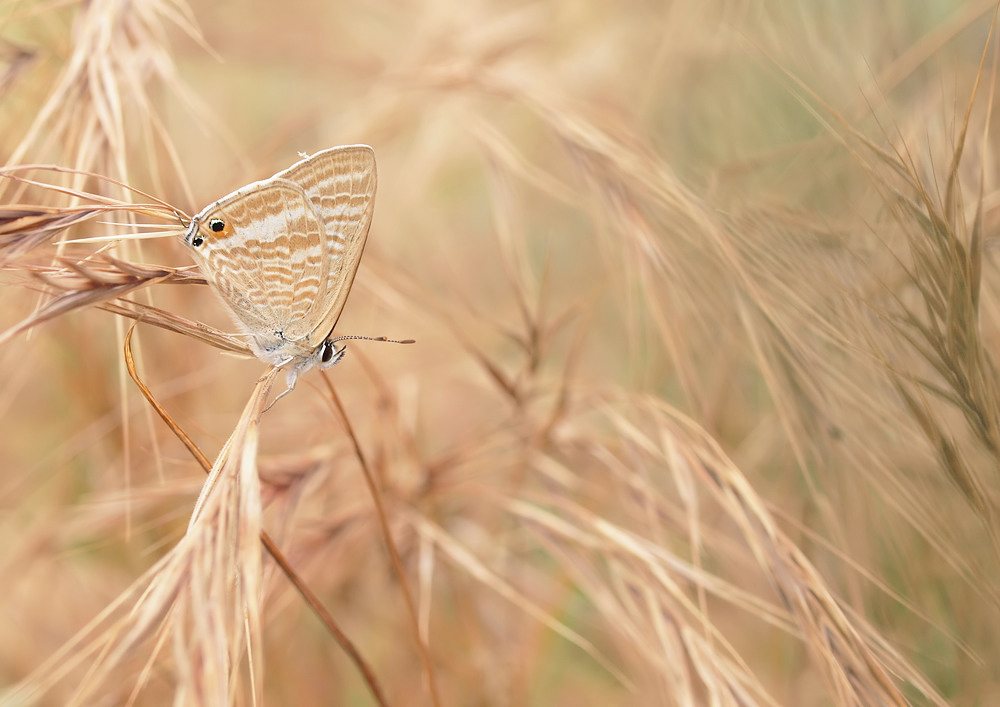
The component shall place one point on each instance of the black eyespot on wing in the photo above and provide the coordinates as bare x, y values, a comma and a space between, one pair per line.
217, 224
197, 241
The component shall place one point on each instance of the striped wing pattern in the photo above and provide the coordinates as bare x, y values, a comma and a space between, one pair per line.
282, 253
340, 183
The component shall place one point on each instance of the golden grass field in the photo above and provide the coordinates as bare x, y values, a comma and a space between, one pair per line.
704, 407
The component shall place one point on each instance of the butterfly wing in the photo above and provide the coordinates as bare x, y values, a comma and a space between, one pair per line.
264, 249
340, 184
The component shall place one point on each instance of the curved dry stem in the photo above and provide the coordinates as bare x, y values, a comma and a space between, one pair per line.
298, 582
203, 597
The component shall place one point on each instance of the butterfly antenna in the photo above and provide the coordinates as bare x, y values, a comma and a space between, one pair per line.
358, 337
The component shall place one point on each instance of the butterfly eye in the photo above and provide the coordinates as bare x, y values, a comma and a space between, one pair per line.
328, 349
217, 224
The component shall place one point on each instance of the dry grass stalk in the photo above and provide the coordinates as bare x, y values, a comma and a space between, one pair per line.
535, 480
202, 598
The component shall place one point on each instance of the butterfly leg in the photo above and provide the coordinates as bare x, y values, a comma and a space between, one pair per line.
328, 355
290, 378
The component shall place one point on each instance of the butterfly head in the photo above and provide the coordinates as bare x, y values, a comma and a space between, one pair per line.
327, 353
324, 356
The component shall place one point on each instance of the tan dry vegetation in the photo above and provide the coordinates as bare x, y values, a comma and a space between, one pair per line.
703, 408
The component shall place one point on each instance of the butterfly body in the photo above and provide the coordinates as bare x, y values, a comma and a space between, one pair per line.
282, 253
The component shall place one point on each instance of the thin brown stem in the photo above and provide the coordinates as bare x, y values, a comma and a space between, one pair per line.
390, 544
272, 549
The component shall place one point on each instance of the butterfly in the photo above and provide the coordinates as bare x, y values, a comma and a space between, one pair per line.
282, 253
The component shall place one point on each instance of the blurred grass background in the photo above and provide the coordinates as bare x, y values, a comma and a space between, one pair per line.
703, 407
